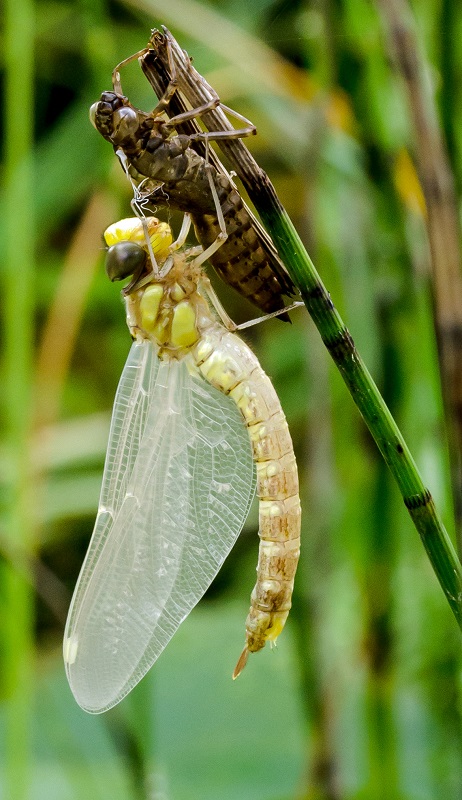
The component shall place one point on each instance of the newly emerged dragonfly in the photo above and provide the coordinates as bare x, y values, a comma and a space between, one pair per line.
183, 172
196, 424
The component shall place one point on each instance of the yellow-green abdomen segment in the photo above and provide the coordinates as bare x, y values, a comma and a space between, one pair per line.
229, 365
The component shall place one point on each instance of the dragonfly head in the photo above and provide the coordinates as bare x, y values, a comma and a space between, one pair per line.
116, 119
127, 254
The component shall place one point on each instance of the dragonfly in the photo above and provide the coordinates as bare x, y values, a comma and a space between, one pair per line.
183, 172
196, 426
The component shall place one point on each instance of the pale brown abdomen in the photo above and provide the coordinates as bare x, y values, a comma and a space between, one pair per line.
229, 365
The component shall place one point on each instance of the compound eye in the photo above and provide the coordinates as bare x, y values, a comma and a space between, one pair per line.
124, 259
125, 121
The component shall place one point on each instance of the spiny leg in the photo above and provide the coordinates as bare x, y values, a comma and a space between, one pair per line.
137, 203
178, 66
182, 236
223, 234
170, 90
229, 324
186, 75
257, 320
116, 82
209, 292
186, 116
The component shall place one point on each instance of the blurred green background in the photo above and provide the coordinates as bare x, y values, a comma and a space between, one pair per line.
362, 697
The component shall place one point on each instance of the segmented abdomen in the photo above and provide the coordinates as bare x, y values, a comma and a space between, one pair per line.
243, 261
229, 365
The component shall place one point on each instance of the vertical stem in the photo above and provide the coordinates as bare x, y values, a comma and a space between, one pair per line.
18, 330
442, 225
334, 334
448, 100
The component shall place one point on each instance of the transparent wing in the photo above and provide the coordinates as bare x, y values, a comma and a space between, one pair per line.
178, 483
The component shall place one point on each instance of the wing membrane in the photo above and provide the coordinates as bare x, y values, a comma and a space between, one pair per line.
178, 482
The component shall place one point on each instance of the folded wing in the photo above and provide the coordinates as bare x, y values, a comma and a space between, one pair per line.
177, 486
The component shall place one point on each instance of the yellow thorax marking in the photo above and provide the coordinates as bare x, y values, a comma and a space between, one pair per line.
149, 306
184, 332
165, 310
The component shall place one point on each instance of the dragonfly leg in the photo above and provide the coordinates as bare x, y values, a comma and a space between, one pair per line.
232, 113
136, 281
164, 101
210, 105
223, 235
179, 65
257, 320
215, 136
172, 85
185, 226
116, 82
126, 168
209, 251
195, 112
137, 204
229, 324
215, 302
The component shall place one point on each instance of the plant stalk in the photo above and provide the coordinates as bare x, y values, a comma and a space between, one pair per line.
442, 223
17, 261
157, 64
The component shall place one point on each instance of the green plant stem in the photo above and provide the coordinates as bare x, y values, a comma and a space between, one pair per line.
18, 325
334, 334
369, 401
442, 223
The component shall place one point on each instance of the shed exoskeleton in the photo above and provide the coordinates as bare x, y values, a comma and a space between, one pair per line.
177, 171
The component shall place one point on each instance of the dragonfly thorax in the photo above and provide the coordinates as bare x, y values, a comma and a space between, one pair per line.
163, 305
169, 310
